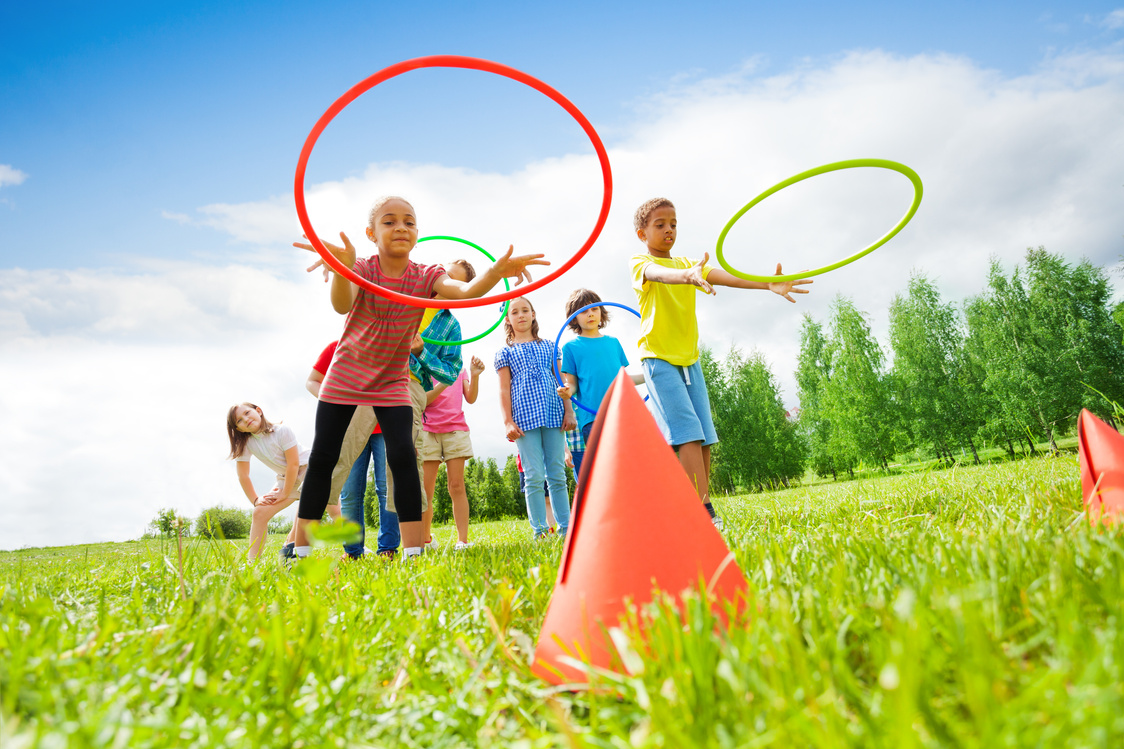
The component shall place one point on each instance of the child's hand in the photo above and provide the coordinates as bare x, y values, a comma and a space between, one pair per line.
569, 421
508, 266
345, 254
565, 391
513, 430
417, 345
268, 498
785, 288
476, 366
694, 275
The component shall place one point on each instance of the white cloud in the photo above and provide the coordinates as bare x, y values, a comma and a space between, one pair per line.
1114, 20
9, 175
125, 378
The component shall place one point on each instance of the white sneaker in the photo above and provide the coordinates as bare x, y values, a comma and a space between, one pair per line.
718, 523
431, 545
462, 545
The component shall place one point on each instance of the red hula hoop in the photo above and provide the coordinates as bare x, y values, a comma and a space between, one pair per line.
449, 61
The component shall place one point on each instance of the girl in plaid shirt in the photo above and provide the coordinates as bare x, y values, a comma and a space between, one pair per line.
535, 417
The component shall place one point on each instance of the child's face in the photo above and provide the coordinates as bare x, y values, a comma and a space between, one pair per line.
520, 315
395, 230
590, 320
659, 234
247, 419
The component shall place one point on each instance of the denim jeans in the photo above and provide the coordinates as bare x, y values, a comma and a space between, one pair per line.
354, 489
543, 452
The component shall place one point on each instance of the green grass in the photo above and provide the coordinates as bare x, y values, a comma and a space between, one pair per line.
965, 607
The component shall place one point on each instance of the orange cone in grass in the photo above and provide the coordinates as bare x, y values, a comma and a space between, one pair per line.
1100, 449
637, 524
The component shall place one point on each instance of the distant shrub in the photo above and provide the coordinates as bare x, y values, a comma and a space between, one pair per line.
167, 522
280, 524
223, 522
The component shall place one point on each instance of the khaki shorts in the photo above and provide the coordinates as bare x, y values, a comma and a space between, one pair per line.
445, 446
295, 494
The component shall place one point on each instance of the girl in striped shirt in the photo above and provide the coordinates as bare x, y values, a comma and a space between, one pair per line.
370, 366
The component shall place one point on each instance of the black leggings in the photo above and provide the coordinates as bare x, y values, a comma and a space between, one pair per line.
332, 420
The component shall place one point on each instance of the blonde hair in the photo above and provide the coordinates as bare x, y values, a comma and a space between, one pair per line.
644, 212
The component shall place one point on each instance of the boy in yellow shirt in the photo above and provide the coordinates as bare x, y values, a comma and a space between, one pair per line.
665, 289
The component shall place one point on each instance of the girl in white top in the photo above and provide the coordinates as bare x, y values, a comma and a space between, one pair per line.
275, 445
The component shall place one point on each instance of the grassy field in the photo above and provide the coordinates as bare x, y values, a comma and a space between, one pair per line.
963, 607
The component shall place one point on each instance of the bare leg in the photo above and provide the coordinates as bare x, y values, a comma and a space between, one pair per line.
549, 512
695, 460
334, 513
259, 525
412, 533
430, 469
459, 495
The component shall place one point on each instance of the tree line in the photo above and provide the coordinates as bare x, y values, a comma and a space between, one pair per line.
1010, 367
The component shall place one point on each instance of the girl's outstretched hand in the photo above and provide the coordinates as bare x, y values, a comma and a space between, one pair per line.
345, 254
787, 288
508, 265
476, 366
694, 275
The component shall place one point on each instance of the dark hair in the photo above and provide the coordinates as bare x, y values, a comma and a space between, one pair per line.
510, 332
239, 439
644, 212
580, 298
469, 271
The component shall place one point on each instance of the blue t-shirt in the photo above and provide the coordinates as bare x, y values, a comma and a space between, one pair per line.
595, 362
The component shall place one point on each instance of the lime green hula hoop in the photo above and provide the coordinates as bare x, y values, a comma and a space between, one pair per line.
503, 312
834, 166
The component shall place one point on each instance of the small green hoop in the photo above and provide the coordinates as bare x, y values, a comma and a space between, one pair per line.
506, 283
834, 166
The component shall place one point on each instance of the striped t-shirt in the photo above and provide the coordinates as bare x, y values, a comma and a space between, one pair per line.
371, 364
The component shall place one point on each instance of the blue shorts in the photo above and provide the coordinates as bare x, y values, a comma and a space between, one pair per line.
679, 402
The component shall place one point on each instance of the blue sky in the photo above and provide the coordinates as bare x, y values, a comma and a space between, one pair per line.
122, 111
147, 151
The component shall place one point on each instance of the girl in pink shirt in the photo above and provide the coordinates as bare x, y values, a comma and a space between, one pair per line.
446, 439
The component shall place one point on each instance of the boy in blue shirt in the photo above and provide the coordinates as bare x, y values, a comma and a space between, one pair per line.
591, 361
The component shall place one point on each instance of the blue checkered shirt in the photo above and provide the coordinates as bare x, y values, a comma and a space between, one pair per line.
534, 392
441, 363
574, 441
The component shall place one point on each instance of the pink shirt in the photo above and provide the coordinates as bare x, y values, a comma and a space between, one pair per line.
446, 413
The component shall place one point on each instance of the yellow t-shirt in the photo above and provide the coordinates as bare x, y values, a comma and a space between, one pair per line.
669, 329
427, 318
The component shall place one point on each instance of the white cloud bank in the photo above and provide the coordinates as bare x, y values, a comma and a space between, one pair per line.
118, 383
9, 175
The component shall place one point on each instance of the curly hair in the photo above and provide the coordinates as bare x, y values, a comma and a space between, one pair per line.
644, 212
580, 298
373, 216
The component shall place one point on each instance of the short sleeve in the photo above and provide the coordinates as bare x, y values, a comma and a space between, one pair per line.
432, 273
325, 359
639, 263
285, 437
502, 358
706, 269
569, 362
620, 353
364, 268
245, 456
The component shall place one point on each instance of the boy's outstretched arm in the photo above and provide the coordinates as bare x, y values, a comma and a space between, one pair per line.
507, 266
719, 277
693, 275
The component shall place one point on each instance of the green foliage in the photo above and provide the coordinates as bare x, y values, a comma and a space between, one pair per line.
280, 524
856, 398
967, 608
759, 448
168, 523
223, 522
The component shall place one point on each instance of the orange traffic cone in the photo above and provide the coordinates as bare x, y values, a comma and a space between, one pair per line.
1100, 449
637, 524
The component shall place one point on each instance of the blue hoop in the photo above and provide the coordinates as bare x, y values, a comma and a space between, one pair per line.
558, 351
